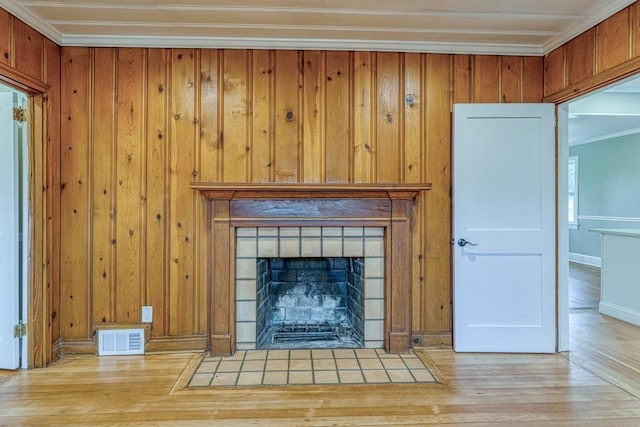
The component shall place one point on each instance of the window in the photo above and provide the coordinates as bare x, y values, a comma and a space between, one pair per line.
573, 192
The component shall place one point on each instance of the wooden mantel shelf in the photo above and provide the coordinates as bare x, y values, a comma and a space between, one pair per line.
229, 191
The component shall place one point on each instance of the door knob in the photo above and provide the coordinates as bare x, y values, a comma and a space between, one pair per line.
463, 242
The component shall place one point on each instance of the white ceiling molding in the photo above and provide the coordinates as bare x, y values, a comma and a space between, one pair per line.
493, 27
606, 137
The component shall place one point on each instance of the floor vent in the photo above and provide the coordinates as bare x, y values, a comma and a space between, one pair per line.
120, 341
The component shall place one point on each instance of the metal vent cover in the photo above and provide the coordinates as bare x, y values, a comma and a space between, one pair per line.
113, 342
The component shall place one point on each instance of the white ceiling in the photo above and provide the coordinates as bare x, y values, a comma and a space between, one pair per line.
516, 27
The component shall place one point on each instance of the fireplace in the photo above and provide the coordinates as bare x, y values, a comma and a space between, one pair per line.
308, 221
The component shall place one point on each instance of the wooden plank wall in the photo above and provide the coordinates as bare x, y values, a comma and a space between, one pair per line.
31, 62
605, 53
138, 125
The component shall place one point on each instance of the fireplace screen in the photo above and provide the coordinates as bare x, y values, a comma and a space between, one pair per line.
310, 302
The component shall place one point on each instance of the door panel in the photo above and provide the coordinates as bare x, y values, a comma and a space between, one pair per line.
504, 205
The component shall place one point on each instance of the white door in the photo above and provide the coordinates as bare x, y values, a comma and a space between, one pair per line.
9, 236
504, 228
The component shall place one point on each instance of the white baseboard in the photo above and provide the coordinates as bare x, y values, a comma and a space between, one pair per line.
593, 261
622, 313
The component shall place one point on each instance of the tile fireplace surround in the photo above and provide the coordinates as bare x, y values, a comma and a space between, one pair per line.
232, 208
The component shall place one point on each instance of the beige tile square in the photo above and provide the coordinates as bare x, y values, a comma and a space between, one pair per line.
393, 363
289, 231
332, 231
267, 247
277, 365
371, 363
201, 380
253, 365
299, 365
250, 378
311, 231
225, 378
324, 364
374, 268
353, 247
400, 376
278, 354
256, 355
331, 247
325, 377
246, 289
268, 231
289, 247
246, 247
322, 354
373, 309
366, 353
246, 231
353, 231
344, 353
246, 268
374, 231
208, 366
300, 354
373, 330
413, 363
422, 375
246, 311
347, 364
382, 354
246, 332
238, 355
229, 366
373, 288
301, 377
374, 247
310, 247
351, 377
376, 376
275, 378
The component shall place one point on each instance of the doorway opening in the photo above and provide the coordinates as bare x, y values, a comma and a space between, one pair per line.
14, 237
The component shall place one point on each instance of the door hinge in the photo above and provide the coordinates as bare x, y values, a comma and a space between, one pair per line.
19, 114
20, 330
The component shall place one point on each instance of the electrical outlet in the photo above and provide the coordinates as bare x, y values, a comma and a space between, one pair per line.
147, 314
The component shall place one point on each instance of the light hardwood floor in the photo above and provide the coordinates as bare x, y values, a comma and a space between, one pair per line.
594, 385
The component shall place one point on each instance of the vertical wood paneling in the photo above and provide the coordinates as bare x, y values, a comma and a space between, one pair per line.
103, 278
209, 132
287, 116
182, 166
263, 131
52, 98
612, 44
157, 169
580, 57
363, 113
75, 300
30, 44
532, 78
337, 109
5, 37
131, 71
554, 71
389, 166
314, 102
510, 79
236, 144
634, 12
436, 291
462, 76
486, 83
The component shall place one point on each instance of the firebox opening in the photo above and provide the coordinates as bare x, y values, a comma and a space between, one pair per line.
310, 302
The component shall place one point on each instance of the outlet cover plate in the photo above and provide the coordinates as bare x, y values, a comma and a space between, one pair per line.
147, 314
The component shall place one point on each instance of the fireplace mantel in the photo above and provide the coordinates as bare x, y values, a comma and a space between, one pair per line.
230, 206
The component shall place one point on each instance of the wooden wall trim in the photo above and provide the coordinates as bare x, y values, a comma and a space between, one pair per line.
20, 80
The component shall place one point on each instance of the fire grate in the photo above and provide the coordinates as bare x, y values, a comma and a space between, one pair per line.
308, 331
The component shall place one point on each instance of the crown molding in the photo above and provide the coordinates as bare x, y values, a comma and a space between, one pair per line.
591, 20
605, 137
33, 20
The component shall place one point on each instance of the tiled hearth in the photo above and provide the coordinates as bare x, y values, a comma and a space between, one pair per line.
302, 367
255, 243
